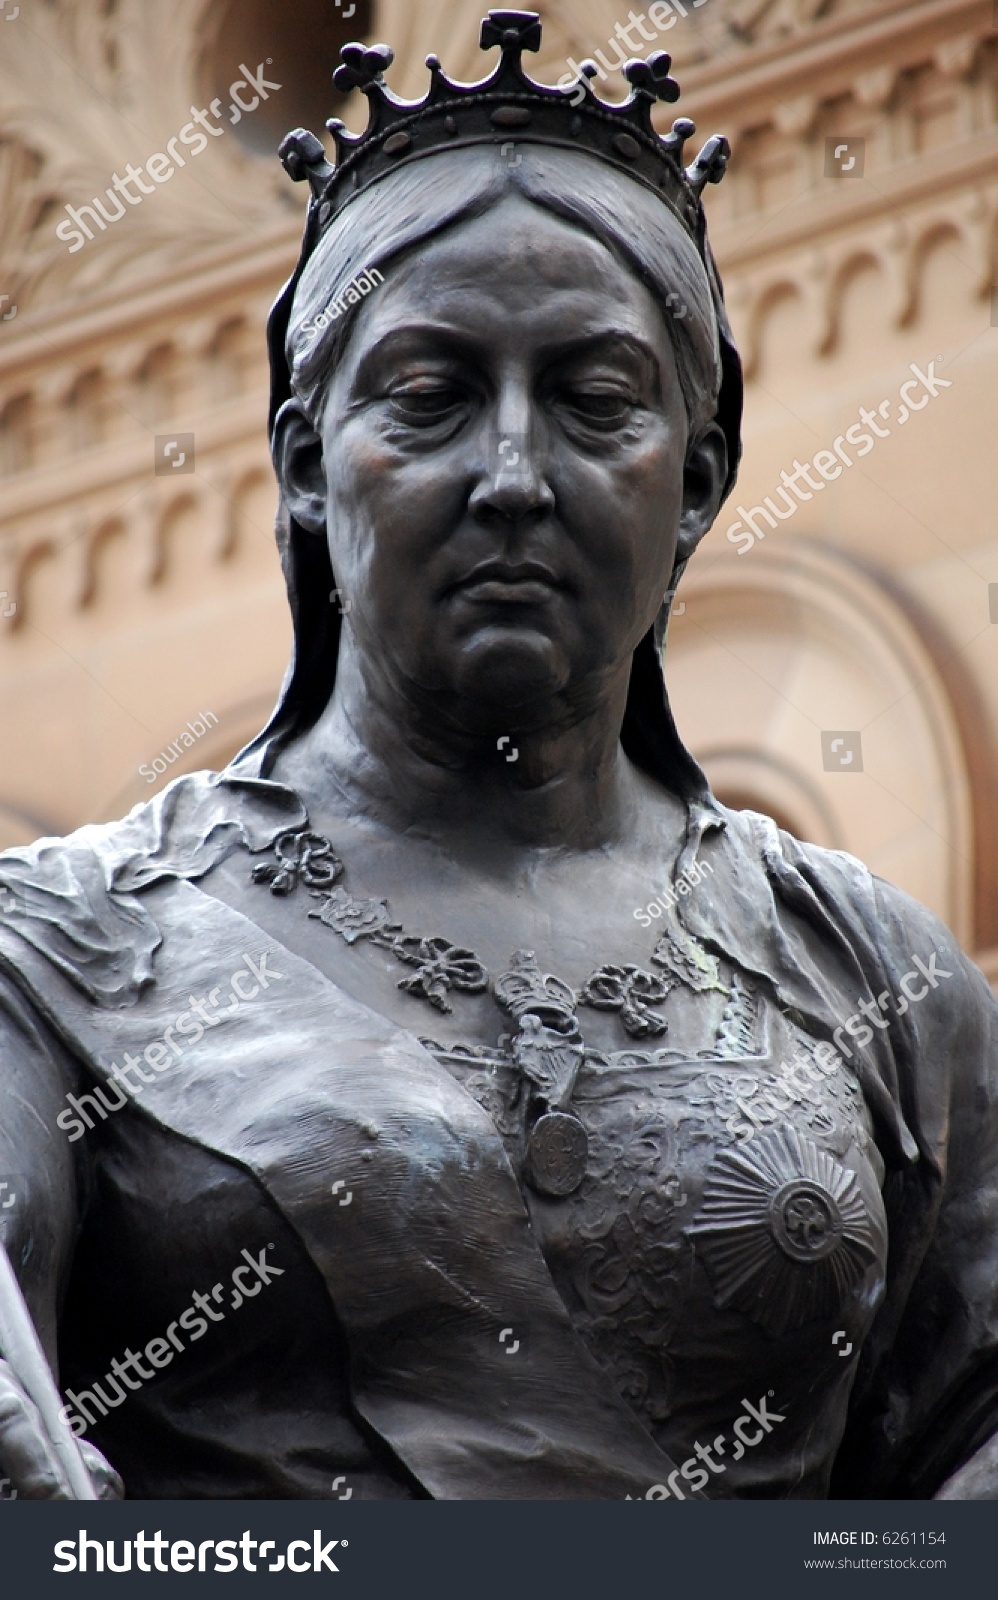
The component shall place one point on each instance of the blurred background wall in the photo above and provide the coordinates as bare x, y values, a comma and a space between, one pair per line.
834, 651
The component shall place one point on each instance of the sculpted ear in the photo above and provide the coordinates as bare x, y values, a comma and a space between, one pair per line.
297, 451
704, 478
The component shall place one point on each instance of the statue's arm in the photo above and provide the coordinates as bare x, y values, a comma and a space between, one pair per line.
41, 1207
41, 1202
964, 1253
977, 1479
924, 1417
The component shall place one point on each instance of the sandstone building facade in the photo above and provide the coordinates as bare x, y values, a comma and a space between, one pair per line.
857, 232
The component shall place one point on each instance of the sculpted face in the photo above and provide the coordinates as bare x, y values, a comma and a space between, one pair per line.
504, 474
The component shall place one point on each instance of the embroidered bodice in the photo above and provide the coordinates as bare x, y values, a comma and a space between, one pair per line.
728, 1209
713, 1242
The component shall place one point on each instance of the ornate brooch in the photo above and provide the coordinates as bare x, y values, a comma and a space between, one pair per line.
547, 1050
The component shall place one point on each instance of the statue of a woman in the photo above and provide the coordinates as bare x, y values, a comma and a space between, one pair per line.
451, 1099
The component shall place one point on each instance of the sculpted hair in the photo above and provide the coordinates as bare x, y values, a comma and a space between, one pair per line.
424, 199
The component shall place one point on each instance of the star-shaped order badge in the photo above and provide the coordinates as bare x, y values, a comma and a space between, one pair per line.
783, 1231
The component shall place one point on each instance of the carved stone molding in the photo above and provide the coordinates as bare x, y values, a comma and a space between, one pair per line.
84, 91
755, 21
898, 248
796, 118
875, 88
955, 57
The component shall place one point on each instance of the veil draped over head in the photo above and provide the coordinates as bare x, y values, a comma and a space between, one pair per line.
396, 215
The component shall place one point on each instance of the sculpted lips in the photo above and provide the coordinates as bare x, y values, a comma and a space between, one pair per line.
521, 582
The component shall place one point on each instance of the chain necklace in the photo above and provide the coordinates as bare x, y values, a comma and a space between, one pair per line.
546, 1048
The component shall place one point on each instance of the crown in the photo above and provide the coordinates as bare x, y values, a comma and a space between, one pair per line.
503, 106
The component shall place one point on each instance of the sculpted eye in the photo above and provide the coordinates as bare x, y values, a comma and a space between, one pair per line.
426, 401
599, 408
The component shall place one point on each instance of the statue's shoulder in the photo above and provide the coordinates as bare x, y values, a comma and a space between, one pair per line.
888, 929
828, 872
140, 833
78, 899
182, 832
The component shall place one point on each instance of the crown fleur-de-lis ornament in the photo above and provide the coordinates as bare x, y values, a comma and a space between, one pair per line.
651, 77
361, 68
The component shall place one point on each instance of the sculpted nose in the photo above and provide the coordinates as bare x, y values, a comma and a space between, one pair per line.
513, 485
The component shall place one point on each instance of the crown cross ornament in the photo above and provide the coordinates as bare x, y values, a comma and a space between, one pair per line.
511, 30
507, 101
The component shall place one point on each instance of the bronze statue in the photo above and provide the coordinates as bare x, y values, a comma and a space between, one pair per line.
451, 1099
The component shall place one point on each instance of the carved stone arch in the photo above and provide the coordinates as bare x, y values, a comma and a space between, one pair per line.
979, 212
848, 271
86, 407
229, 354
30, 560
767, 301
156, 383
96, 549
937, 234
772, 652
164, 562
244, 521
18, 430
